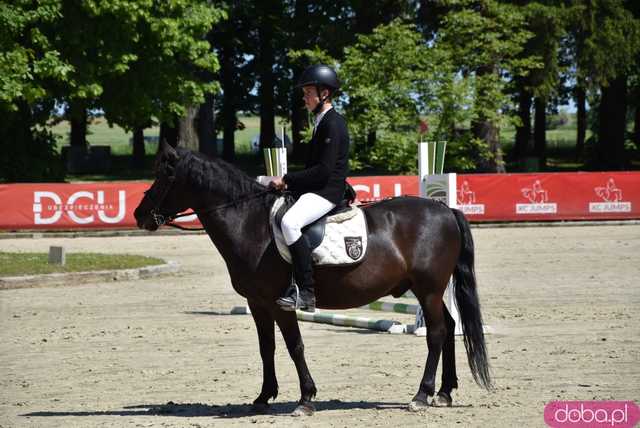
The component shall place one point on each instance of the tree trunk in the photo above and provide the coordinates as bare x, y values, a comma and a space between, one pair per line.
206, 126
299, 116
486, 129
581, 101
138, 148
612, 125
636, 128
371, 139
523, 132
540, 131
188, 135
299, 120
78, 120
168, 134
229, 119
265, 70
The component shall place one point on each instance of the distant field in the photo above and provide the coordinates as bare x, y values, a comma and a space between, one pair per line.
560, 148
101, 134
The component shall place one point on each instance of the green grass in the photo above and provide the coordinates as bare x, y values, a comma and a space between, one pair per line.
99, 133
17, 264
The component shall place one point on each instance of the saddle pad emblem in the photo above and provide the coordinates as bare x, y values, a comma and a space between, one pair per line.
353, 246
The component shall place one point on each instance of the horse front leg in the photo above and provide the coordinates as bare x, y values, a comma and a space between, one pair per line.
265, 325
291, 332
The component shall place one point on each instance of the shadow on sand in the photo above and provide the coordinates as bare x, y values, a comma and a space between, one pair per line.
223, 411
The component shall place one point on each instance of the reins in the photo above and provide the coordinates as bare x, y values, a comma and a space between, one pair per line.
168, 220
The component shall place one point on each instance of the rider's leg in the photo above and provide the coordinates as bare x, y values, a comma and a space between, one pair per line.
307, 209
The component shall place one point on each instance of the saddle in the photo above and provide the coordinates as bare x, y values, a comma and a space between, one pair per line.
314, 232
337, 238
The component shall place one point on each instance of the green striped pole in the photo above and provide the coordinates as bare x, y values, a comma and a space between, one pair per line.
275, 161
268, 163
401, 308
389, 326
345, 320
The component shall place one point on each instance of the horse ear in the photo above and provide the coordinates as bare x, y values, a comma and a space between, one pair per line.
168, 152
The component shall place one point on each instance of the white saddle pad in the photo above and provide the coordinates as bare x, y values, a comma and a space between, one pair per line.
345, 237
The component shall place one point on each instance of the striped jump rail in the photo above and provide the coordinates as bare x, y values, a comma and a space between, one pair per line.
400, 308
389, 326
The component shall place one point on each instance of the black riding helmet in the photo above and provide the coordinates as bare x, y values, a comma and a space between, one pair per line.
322, 77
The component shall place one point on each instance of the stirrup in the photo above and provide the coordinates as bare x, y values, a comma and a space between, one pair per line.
293, 301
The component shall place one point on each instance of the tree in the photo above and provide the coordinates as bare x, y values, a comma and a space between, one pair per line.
29, 67
607, 44
136, 60
171, 66
486, 39
545, 21
385, 76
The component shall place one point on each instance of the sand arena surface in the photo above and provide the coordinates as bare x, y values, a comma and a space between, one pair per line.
563, 301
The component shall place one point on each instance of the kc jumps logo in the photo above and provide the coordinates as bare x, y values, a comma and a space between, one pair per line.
538, 199
611, 197
81, 207
467, 200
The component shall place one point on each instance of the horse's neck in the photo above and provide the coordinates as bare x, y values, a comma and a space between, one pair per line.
240, 232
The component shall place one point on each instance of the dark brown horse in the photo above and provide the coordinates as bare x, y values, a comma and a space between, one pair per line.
414, 244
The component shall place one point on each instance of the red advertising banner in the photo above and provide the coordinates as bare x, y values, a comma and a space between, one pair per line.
552, 196
482, 197
370, 189
70, 206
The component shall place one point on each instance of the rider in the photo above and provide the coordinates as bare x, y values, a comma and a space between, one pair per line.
320, 186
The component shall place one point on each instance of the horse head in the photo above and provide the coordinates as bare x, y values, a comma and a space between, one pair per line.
167, 195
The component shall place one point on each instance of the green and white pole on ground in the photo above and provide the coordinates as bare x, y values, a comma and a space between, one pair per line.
321, 317
399, 308
389, 326
434, 183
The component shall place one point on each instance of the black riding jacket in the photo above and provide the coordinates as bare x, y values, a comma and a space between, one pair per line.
327, 166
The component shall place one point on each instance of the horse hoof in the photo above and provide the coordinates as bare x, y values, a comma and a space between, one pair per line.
304, 410
418, 406
260, 408
442, 400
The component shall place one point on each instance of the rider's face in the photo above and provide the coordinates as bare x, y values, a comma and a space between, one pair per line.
311, 98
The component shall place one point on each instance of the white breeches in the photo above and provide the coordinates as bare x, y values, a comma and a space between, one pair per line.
307, 209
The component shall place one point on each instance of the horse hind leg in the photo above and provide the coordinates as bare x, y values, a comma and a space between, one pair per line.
432, 306
449, 376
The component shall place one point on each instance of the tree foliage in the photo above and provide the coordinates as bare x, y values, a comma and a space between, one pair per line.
133, 59
466, 67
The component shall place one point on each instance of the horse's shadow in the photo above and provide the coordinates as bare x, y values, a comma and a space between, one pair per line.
222, 411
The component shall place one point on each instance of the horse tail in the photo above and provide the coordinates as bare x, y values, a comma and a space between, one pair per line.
469, 306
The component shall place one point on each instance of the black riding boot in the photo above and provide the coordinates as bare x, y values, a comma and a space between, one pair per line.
303, 297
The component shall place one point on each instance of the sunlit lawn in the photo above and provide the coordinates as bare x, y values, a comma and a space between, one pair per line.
16, 264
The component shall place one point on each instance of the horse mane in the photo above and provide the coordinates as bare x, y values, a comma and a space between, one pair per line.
214, 175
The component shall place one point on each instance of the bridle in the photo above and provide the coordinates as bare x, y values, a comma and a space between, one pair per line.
164, 219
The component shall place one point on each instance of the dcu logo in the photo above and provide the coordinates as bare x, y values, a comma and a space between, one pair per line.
81, 207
